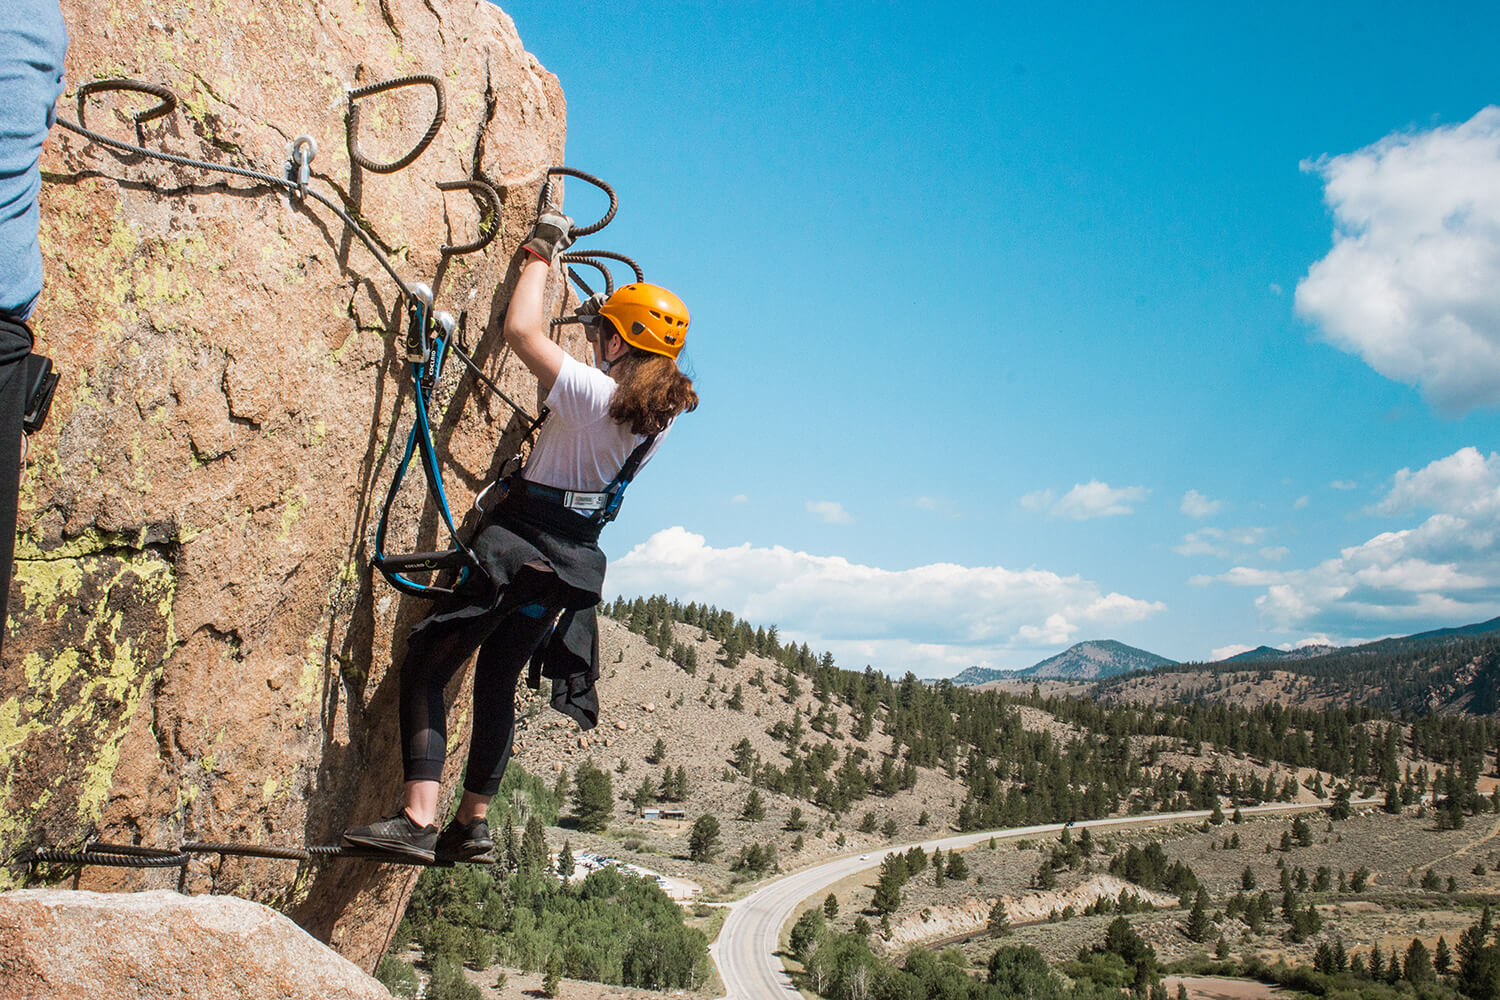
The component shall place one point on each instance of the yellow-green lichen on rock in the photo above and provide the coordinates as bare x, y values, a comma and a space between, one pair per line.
104, 602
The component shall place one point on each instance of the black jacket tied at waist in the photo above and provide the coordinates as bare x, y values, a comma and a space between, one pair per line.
538, 553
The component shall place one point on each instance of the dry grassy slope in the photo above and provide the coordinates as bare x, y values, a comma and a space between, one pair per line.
1264, 684
644, 697
1247, 688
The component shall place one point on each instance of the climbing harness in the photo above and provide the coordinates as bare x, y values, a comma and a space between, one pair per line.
602, 507
101, 854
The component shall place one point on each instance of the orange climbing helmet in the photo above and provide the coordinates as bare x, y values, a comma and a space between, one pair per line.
648, 317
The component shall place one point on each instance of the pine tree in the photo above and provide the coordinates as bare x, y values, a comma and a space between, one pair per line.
999, 920
1198, 924
703, 841
593, 798
1442, 959
830, 906
552, 978
510, 851
1418, 965
533, 859
887, 893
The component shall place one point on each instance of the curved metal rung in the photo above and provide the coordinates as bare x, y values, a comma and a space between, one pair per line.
544, 197
166, 97
583, 286
491, 198
351, 121
592, 258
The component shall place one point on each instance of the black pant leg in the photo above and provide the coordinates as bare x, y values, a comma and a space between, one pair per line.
501, 660
15, 345
435, 650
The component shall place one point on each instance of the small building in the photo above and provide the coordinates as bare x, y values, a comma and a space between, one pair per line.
673, 813
650, 812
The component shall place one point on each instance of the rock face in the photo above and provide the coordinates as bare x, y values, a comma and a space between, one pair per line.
197, 650
149, 945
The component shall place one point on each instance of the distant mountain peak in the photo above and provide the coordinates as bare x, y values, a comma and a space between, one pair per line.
1094, 660
975, 676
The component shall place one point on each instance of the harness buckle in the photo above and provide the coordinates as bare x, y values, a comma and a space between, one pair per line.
585, 501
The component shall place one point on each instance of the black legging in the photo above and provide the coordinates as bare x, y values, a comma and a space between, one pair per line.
436, 649
15, 345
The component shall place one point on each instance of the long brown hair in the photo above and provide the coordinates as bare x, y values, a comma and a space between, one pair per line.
651, 391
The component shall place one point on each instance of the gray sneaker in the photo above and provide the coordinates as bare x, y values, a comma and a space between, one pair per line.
462, 841
398, 836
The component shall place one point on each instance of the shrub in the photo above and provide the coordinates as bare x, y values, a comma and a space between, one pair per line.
397, 976
448, 983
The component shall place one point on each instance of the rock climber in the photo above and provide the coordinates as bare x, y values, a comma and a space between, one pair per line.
33, 42
538, 546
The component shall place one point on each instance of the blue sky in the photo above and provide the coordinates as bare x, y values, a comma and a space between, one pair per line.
1015, 328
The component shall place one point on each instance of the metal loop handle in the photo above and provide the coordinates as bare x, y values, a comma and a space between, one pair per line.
544, 197
486, 193
592, 258
351, 121
166, 97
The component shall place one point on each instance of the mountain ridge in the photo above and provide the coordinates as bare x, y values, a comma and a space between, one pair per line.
1092, 659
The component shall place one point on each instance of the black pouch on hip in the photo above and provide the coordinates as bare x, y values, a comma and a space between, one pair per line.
41, 383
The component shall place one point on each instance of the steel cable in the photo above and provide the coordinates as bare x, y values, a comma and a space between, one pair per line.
131, 856
184, 161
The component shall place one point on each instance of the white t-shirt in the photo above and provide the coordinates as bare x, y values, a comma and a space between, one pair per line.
580, 447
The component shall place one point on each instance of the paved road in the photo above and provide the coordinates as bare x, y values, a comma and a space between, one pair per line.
745, 951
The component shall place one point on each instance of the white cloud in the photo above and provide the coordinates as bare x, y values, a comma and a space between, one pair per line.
941, 506
1221, 542
1086, 501
830, 511
739, 498
930, 619
1312, 640
1343, 484
1443, 571
1275, 289
1464, 483
1412, 283
1275, 553
1195, 504
1300, 503
1225, 652
1038, 501
1202, 543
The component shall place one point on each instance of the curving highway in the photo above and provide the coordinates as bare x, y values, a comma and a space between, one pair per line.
745, 950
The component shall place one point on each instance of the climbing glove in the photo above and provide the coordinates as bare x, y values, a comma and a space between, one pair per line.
550, 236
590, 306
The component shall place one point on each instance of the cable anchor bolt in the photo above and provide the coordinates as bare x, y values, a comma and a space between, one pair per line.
299, 156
